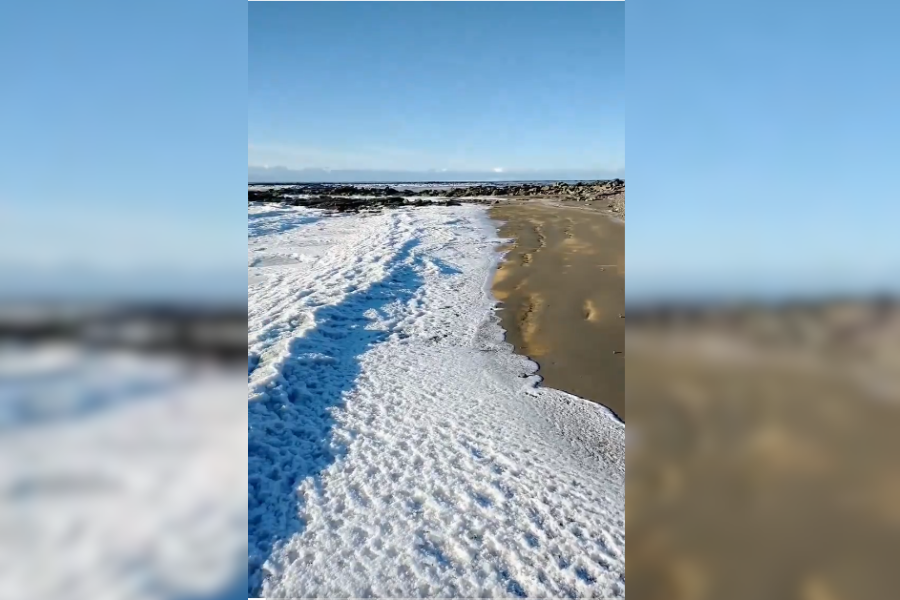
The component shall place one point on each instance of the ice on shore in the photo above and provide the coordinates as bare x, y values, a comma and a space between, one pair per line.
397, 446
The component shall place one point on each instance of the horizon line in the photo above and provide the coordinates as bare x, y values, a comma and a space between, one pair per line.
431, 181
495, 170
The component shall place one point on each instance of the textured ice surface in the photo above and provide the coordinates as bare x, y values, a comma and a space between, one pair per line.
397, 446
117, 476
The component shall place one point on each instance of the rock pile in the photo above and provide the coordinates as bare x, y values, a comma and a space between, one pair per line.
355, 197
344, 203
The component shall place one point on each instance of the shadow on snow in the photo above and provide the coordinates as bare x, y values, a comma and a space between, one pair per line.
289, 432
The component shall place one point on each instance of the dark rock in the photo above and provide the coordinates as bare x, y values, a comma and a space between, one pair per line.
349, 197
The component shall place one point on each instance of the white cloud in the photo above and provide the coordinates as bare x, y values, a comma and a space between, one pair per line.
498, 169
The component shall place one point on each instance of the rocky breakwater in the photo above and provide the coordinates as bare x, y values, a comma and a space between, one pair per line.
344, 203
608, 194
584, 191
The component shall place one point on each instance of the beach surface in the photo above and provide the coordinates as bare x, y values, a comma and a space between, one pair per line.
397, 446
775, 426
562, 289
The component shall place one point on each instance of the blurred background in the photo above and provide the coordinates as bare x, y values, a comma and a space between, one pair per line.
763, 324
122, 301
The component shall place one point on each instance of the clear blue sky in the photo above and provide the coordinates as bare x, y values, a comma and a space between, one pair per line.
413, 86
763, 137
123, 134
764, 147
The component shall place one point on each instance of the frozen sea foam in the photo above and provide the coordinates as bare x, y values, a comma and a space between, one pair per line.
397, 446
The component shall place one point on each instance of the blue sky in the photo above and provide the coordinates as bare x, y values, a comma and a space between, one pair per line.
487, 88
123, 133
763, 138
763, 148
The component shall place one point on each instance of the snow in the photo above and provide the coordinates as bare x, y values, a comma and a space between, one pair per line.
117, 475
396, 445
408, 199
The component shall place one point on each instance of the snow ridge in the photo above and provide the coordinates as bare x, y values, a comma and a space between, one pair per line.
396, 445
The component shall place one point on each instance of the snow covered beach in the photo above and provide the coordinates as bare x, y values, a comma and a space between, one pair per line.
396, 445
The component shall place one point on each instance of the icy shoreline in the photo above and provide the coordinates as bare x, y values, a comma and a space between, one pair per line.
397, 446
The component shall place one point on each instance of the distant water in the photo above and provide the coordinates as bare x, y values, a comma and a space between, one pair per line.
422, 184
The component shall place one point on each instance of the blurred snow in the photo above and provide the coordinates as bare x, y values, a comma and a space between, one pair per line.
117, 474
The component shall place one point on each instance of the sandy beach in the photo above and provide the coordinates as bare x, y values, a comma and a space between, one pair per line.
776, 427
562, 288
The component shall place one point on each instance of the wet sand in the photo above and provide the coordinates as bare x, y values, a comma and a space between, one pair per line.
766, 460
562, 289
